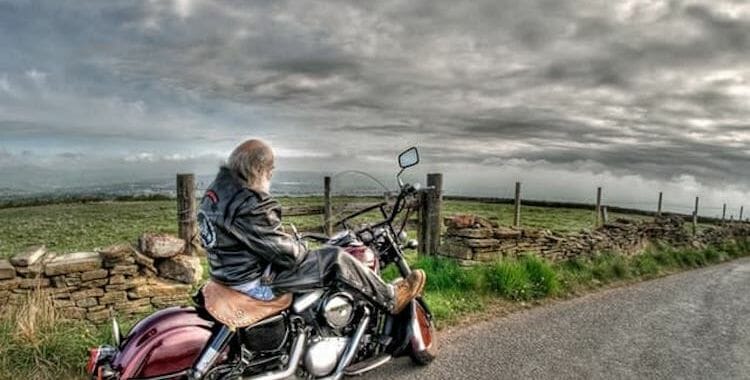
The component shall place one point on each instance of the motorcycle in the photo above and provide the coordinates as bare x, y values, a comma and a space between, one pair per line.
328, 332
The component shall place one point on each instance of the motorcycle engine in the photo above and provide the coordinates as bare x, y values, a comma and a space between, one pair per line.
266, 336
323, 355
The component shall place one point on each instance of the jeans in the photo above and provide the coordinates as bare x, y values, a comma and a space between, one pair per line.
255, 290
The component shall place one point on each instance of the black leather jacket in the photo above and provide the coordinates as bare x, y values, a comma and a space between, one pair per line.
241, 231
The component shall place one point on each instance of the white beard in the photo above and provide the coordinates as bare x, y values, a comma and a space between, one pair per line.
263, 186
266, 186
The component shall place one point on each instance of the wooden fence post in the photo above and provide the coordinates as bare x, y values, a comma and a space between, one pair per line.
327, 208
186, 210
422, 232
605, 215
598, 206
435, 181
742, 209
695, 217
517, 214
658, 209
724, 213
430, 215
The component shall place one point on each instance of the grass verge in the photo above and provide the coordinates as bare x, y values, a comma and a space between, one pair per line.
35, 344
454, 291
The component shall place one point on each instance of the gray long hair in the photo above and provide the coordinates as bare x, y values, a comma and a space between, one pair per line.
250, 159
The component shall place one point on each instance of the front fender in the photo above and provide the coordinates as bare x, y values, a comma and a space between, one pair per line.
166, 342
407, 335
421, 320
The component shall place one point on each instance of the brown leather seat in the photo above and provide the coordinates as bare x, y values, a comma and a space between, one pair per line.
237, 310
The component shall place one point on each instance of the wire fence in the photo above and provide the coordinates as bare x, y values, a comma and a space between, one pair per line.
704, 212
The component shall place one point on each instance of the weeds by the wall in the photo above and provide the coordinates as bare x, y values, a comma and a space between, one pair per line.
36, 344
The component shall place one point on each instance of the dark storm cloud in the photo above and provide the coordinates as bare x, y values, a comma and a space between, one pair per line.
71, 155
724, 34
658, 89
316, 67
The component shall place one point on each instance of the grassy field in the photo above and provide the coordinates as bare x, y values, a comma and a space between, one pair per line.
85, 226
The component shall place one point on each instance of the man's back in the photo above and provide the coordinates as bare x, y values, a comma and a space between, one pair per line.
240, 229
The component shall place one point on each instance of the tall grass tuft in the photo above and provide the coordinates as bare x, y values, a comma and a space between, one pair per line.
36, 344
509, 279
526, 278
645, 265
693, 258
544, 279
34, 317
714, 255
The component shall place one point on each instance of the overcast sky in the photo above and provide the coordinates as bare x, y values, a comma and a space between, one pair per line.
638, 96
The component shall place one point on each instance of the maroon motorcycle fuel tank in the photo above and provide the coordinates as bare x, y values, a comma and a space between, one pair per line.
365, 255
166, 342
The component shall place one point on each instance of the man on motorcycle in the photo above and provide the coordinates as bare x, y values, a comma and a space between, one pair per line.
240, 227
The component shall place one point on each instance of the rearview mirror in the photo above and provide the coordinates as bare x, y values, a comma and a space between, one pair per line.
408, 158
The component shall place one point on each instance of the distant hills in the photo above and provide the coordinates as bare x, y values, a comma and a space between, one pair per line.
34, 185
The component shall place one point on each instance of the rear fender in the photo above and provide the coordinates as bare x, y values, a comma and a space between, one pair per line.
167, 342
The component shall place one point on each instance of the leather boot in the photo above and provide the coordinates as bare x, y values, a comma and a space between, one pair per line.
407, 289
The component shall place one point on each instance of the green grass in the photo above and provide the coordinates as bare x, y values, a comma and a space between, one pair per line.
456, 291
450, 305
59, 354
74, 227
82, 226
57, 351
557, 219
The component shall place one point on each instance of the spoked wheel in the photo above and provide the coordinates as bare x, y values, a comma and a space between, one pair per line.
424, 343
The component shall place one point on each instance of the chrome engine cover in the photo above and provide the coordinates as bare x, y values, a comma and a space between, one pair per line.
324, 354
338, 310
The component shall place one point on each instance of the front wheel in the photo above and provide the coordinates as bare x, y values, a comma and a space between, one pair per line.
424, 340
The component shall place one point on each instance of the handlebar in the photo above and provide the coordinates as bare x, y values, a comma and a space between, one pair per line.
406, 190
360, 212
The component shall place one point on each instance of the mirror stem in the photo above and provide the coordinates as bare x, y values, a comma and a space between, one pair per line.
398, 178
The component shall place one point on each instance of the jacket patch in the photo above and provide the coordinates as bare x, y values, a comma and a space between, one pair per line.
207, 230
212, 195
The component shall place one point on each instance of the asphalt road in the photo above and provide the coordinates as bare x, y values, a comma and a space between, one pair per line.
693, 325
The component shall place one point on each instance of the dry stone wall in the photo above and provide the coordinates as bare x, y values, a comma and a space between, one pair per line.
130, 279
124, 279
471, 239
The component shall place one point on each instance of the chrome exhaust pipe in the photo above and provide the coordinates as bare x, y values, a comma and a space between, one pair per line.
351, 350
294, 358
